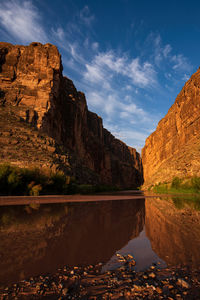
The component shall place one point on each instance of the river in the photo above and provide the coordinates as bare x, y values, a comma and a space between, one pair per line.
40, 238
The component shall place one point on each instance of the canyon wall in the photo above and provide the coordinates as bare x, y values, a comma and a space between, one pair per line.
32, 84
173, 149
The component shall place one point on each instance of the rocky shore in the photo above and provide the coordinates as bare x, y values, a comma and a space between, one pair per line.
123, 283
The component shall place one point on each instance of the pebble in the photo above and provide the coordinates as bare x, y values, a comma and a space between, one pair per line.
152, 275
159, 290
64, 291
183, 283
123, 283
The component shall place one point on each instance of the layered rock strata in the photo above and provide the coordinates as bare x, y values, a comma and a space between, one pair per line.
31, 82
173, 149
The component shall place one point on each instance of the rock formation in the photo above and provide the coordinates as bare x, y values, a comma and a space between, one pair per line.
33, 88
173, 149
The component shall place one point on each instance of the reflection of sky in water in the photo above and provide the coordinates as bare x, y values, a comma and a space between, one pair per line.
140, 249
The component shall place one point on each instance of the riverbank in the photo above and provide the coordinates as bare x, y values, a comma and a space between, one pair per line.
123, 283
16, 181
188, 185
50, 199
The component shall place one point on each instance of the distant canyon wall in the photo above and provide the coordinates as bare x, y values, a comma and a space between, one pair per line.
173, 149
31, 80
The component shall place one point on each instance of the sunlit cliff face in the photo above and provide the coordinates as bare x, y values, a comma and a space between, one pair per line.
174, 233
173, 149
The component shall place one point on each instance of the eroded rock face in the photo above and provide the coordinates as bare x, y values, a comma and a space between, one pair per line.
173, 149
31, 80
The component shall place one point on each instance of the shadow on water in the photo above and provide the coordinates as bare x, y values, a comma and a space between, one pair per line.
41, 238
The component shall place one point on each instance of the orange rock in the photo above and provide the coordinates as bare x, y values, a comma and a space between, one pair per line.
173, 149
31, 81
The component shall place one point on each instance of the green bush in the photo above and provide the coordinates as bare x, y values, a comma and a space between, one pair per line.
4, 173
106, 188
72, 188
58, 182
23, 181
86, 189
195, 181
14, 181
176, 182
35, 190
160, 188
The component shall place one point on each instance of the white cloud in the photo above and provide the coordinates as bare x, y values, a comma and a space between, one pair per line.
142, 75
128, 87
109, 60
58, 33
86, 43
186, 77
180, 63
164, 57
75, 53
85, 16
118, 85
166, 50
111, 105
131, 134
21, 19
93, 73
134, 138
95, 99
95, 46
104, 66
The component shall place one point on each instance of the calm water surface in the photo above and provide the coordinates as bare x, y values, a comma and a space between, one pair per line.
36, 239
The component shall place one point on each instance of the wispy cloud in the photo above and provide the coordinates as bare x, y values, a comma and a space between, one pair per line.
58, 33
180, 63
22, 20
164, 56
85, 16
115, 106
166, 50
130, 136
108, 64
124, 88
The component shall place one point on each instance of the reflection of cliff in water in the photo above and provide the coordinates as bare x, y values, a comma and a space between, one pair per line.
174, 233
41, 240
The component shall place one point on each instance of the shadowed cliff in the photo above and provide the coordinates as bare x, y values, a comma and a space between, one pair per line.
33, 90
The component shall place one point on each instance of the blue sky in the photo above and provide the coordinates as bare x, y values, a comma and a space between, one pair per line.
131, 58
